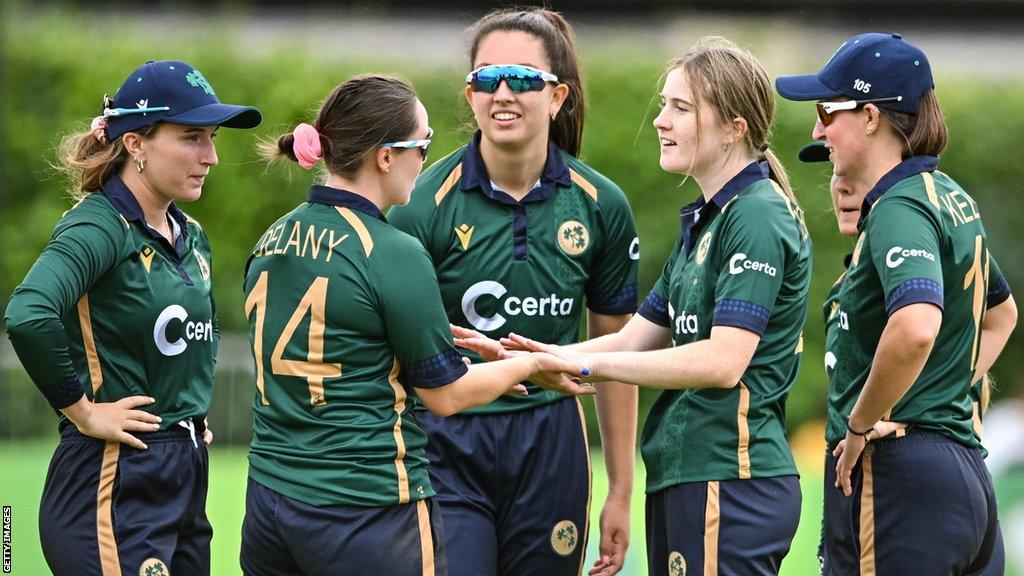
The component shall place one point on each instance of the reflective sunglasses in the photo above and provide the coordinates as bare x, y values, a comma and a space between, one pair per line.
423, 145
827, 109
517, 78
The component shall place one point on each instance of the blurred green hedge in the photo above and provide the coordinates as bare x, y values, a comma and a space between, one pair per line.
54, 76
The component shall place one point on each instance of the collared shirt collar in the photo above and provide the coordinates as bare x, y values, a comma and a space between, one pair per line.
902, 171
474, 175
338, 197
125, 202
692, 215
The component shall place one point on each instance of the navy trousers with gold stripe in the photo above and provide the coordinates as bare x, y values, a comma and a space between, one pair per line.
722, 527
514, 489
922, 504
285, 537
109, 509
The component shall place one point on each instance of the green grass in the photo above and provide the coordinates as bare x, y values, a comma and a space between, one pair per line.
22, 480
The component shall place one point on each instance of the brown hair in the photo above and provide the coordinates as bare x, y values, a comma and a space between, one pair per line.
732, 83
922, 133
88, 163
359, 115
560, 48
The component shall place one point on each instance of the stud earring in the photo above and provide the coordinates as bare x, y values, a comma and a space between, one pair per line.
140, 165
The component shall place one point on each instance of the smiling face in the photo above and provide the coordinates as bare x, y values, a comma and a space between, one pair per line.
846, 140
177, 160
847, 199
507, 119
691, 142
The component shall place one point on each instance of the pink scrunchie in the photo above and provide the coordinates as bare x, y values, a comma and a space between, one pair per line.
306, 145
98, 127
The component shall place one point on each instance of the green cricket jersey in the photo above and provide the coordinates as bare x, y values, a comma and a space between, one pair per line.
345, 319
921, 241
524, 266
743, 260
111, 308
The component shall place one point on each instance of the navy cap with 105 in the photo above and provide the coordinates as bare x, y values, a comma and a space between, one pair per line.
867, 66
175, 92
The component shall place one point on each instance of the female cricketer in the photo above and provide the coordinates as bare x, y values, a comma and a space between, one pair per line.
908, 344
350, 337
116, 325
521, 233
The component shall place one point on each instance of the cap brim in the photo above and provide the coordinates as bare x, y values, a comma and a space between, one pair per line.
803, 87
814, 152
229, 115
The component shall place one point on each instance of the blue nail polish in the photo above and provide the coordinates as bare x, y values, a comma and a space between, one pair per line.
586, 372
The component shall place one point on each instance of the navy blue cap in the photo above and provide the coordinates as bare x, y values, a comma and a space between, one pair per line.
175, 92
814, 152
867, 66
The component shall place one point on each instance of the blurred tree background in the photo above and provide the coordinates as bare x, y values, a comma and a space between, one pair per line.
58, 62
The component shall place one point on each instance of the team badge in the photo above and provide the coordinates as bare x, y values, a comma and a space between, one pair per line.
146, 257
703, 247
197, 80
856, 250
676, 564
204, 266
573, 237
564, 538
465, 233
153, 567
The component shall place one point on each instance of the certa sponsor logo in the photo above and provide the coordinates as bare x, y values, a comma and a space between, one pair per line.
739, 262
896, 255
683, 323
550, 305
191, 330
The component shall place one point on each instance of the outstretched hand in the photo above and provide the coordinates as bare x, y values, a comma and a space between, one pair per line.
488, 348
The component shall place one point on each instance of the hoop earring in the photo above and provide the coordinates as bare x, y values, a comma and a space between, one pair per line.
140, 165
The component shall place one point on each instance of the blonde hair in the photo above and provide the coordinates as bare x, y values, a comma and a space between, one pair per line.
88, 163
732, 83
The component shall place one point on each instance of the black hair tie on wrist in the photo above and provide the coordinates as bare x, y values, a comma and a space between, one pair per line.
863, 434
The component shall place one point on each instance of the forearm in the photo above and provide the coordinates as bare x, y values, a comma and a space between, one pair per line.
616, 404
901, 354
480, 385
995, 332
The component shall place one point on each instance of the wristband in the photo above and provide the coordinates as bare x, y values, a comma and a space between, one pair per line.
863, 434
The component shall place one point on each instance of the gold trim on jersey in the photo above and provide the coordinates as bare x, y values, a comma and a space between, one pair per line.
426, 537
712, 517
110, 563
743, 432
799, 344
582, 182
929, 188
400, 396
590, 482
867, 515
91, 356
359, 227
448, 184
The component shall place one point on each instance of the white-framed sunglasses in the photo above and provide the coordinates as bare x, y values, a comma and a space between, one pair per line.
423, 144
827, 109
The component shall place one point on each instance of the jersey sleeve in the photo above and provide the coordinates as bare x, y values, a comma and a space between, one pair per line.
417, 326
753, 260
76, 257
906, 251
612, 286
998, 288
655, 306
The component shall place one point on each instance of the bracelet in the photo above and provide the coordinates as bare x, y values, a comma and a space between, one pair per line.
863, 434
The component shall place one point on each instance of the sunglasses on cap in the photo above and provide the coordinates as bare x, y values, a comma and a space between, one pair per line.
827, 109
517, 78
423, 144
